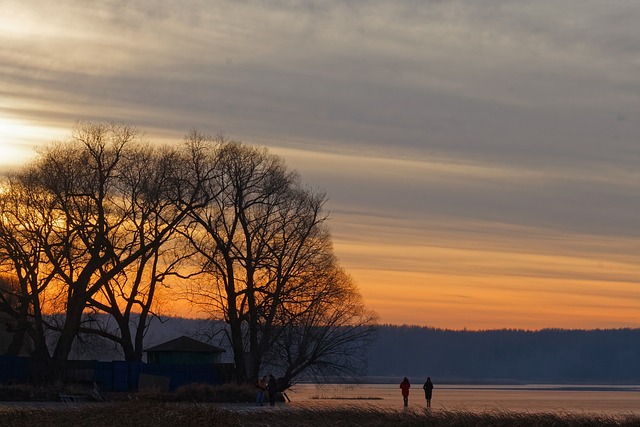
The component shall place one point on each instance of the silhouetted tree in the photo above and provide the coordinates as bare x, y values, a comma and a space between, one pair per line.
14, 306
96, 223
267, 253
27, 220
323, 329
98, 207
149, 184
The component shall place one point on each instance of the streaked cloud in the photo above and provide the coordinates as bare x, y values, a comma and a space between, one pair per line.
484, 152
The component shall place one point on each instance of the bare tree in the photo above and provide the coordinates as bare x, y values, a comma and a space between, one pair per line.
27, 220
324, 331
148, 187
98, 222
108, 203
13, 305
265, 247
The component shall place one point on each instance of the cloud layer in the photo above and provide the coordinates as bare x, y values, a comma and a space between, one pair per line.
473, 151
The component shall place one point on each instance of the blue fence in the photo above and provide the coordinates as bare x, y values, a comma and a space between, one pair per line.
125, 376
121, 376
13, 369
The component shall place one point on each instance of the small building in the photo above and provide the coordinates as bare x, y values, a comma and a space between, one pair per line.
184, 350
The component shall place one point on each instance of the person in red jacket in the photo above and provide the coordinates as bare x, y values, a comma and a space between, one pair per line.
405, 385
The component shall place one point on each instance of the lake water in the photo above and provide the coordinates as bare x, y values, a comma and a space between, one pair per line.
609, 400
477, 398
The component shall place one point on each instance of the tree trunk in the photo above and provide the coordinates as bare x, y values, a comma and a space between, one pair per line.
67, 337
239, 357
17, 340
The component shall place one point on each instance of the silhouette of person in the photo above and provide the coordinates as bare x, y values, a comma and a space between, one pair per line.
428, 391
272, 388
262, 388
405, 385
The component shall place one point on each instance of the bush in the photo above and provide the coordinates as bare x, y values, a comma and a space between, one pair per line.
216, 393
40, 393
14, 393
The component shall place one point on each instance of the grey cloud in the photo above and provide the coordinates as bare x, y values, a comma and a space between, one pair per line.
487, 82
492, 83
598, 201
546, 95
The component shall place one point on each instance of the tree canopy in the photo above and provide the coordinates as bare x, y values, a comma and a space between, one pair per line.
97, 223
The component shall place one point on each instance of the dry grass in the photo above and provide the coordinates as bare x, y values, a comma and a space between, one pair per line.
169, 414
215, 393
228, 393
44, 393
203, 393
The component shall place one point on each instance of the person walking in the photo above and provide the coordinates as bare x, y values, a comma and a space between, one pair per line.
262, 388
272, 388
405, 385
428, 391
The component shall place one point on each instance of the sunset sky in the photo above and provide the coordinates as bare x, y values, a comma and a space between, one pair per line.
481, 158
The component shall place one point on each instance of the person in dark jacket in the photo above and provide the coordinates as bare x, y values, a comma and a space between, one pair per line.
405, 385
428, 391
272, 389
261, 389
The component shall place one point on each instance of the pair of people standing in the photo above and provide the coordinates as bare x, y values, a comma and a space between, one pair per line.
405, 385
270, 386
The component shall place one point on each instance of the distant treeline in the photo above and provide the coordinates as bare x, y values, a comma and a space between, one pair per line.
605, 356
546, 356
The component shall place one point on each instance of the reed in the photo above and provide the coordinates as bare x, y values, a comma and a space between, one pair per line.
169, 414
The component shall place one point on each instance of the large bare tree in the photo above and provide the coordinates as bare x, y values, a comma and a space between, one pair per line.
27, 220
150, 194
323, 330
267, 252
98, 222
105, 204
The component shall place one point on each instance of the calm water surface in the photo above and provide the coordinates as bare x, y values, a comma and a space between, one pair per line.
524, 398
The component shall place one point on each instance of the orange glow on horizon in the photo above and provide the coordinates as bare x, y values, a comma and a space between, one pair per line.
490, 283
